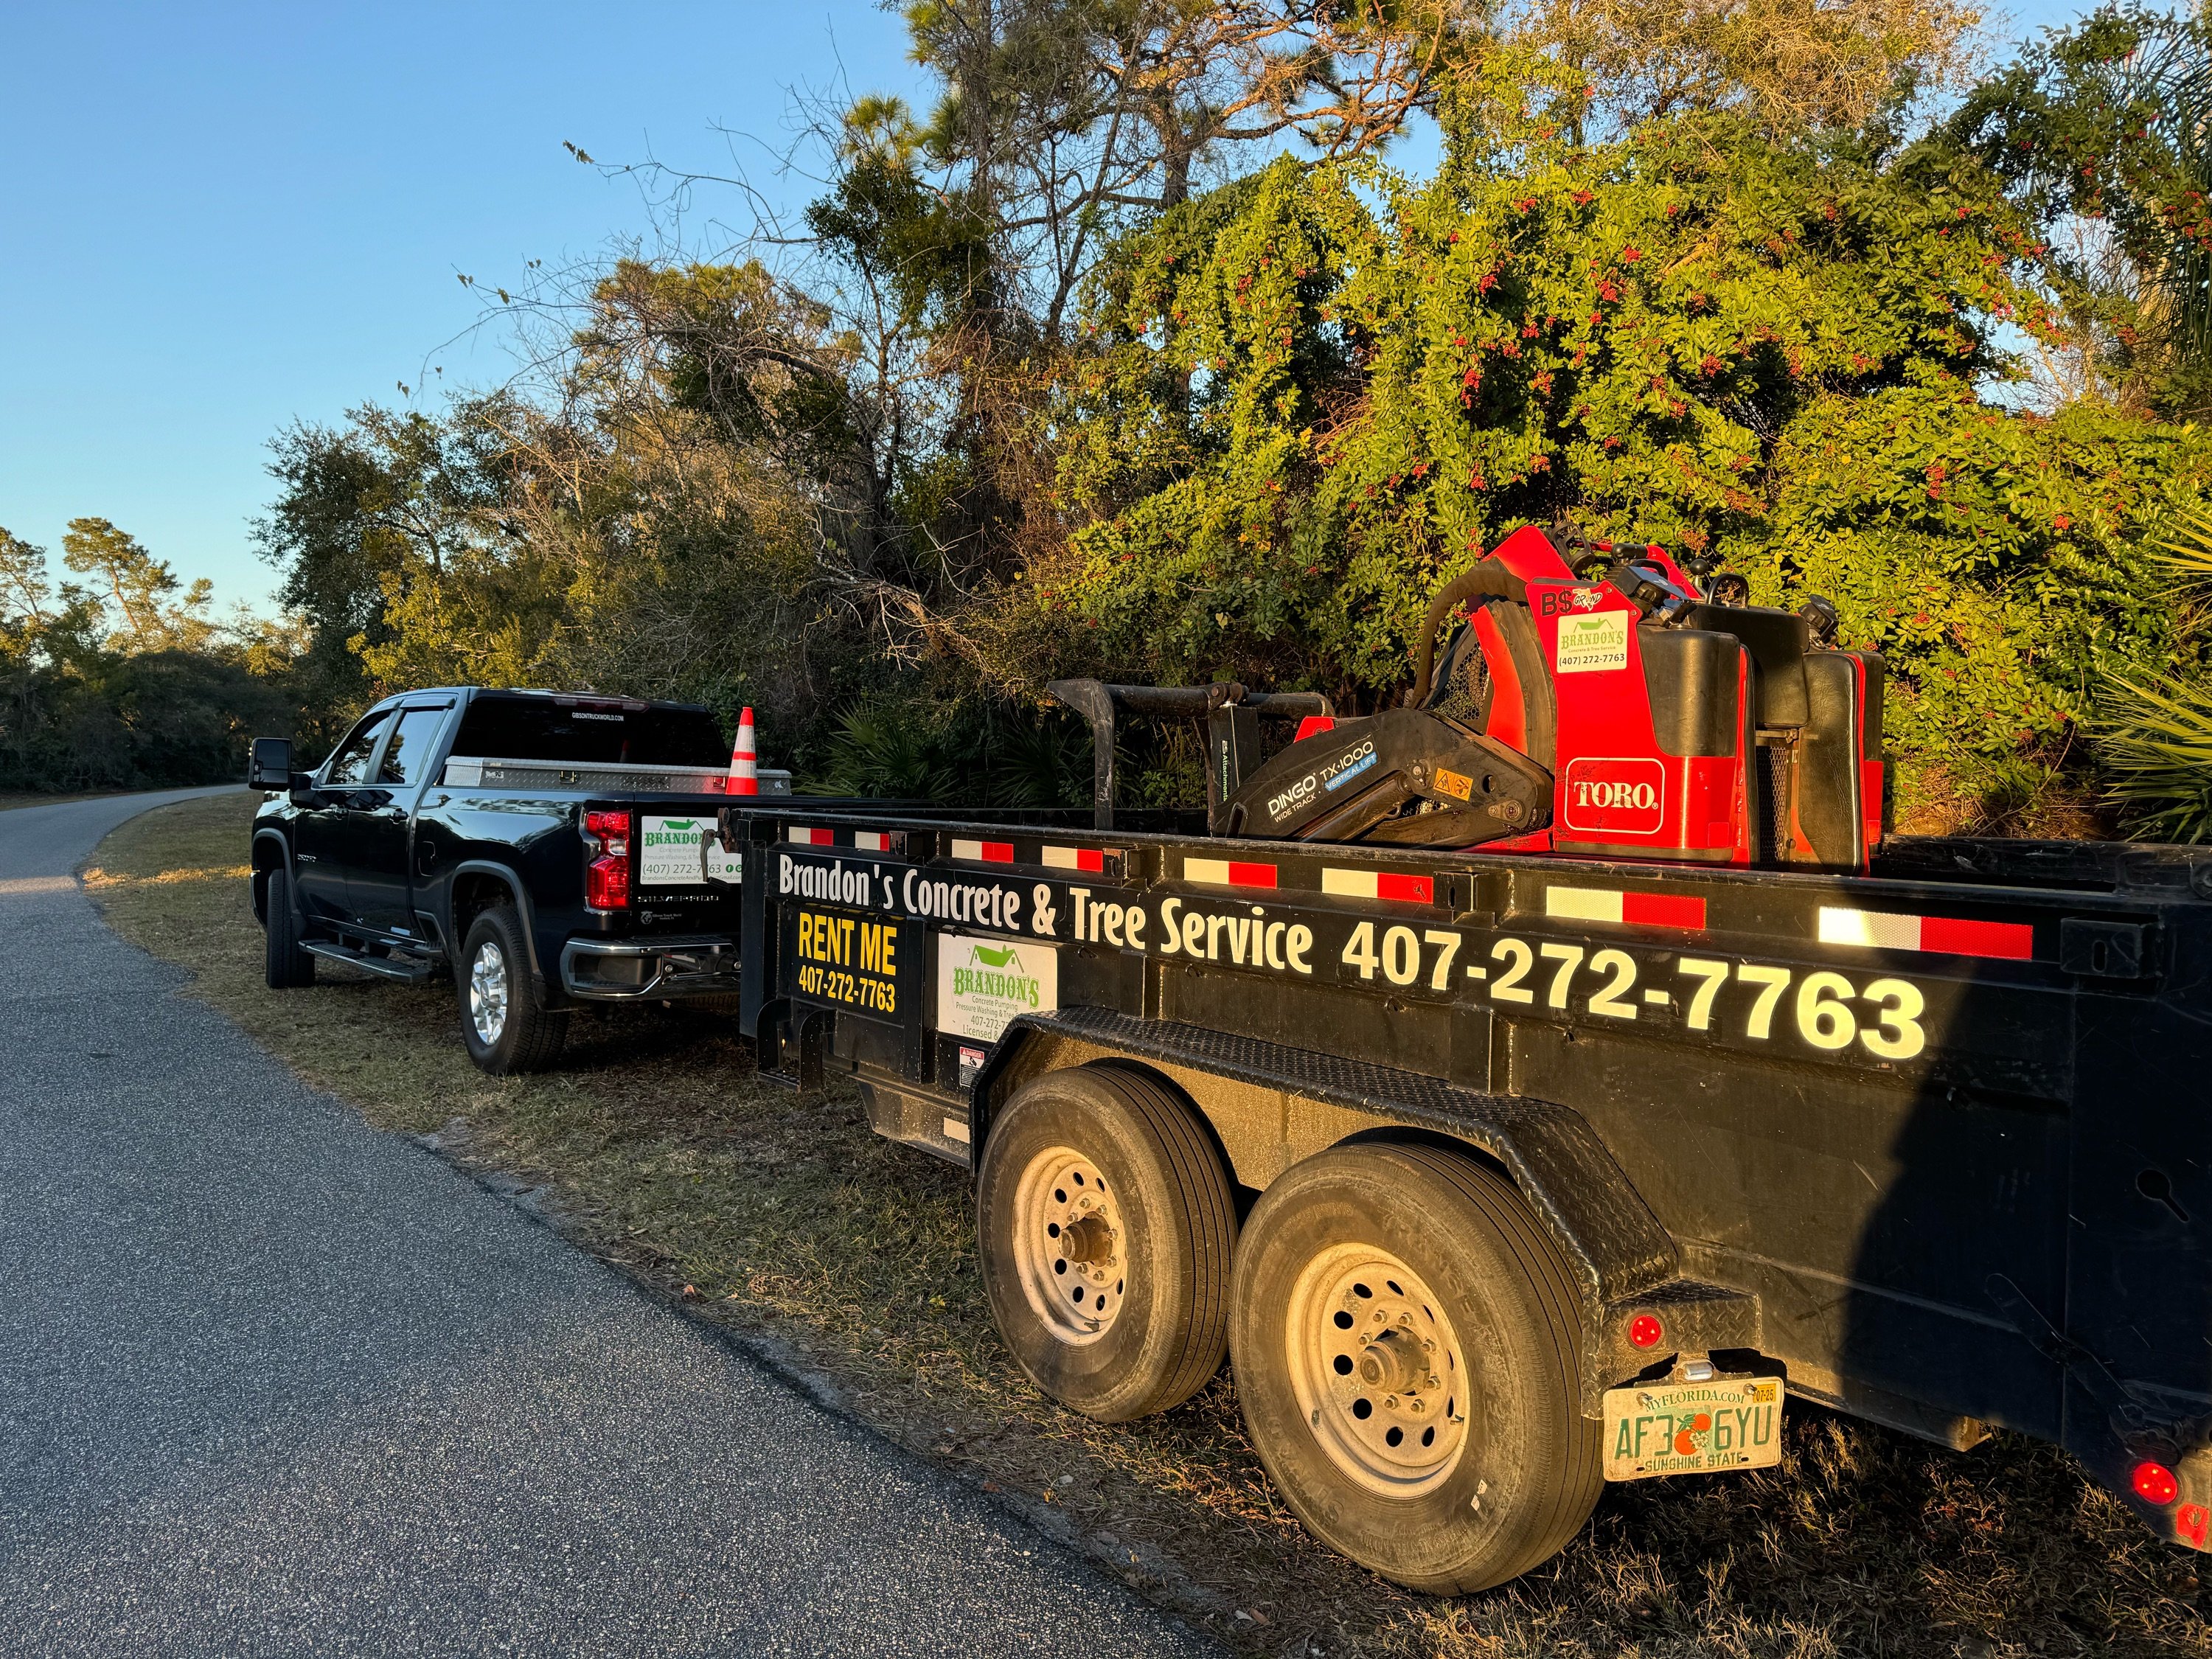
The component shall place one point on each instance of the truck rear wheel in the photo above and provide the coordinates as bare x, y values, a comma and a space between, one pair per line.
1405, 1340
284, 965
502, 1024
1106, 1228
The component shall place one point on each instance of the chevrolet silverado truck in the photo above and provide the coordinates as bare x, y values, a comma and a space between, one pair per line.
547, 850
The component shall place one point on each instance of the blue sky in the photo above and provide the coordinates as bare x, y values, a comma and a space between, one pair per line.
213, 220
216, 220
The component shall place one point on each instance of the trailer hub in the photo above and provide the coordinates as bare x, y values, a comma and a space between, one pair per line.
1068, 1245
1377, 1368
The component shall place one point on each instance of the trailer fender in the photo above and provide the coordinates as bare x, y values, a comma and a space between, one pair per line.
1272, 1106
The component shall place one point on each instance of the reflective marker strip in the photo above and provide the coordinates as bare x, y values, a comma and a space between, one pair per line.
1227, 872
984, 852
871, 841
806, 837
1092, 859
1378, 885
2011, 941
1633, 909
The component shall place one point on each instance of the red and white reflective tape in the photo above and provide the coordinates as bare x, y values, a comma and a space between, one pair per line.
871, 841
2011, 941
1092, 859
1227, 872
1378, 885
811, 837
984, 852
1630, 909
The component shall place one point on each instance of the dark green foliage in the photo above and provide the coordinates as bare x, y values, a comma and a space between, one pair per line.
909, 747
1303, 413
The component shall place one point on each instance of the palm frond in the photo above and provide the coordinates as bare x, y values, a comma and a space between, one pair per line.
2156, 744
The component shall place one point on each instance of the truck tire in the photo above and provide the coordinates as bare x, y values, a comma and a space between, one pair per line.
1107, 1226
284, 964
1405, 1337
505, 1028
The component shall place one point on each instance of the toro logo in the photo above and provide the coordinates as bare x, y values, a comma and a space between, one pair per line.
1619, 796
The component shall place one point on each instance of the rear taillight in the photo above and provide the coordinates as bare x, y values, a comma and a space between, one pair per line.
606, 877
2154, 1483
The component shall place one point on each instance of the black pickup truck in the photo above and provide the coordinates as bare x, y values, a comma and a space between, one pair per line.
546, 849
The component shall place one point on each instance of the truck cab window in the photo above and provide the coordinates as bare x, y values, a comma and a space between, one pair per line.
408, 760
580, 732
349, 764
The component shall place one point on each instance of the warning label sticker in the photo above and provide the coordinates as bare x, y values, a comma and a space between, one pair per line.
1589, 644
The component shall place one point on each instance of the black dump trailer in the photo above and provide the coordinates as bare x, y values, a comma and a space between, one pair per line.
1502, 1175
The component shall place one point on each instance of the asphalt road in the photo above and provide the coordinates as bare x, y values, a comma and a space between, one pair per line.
273, 1382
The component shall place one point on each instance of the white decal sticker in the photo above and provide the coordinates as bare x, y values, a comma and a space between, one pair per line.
983, 983
1589, 644
669, 855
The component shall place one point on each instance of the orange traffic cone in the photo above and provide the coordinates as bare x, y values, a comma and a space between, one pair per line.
745, 763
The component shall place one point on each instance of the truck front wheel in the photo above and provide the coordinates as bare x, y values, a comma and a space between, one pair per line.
284, 965
505, 1027
1405, 1339
1107, 1227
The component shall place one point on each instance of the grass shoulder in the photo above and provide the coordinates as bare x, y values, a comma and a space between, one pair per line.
781, 1216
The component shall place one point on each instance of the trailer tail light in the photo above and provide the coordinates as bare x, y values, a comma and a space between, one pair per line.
2154, 1483
606, 877
1645, 1332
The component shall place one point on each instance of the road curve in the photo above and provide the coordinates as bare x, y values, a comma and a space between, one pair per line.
273, 1382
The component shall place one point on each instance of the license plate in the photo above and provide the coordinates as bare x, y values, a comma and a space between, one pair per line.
1693, 1428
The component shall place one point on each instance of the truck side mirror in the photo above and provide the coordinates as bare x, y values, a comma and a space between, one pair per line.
271, 765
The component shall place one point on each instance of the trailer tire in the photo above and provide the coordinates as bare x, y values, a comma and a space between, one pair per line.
503, 1024
1099, 1181
284, 965
1382, 1291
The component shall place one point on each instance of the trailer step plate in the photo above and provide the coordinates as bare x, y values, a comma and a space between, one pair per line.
1693, 1428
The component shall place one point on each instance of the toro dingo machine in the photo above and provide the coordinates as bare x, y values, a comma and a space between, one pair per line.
1633, 710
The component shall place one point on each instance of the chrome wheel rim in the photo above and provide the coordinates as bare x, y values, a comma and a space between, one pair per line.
1377, 1370
488, 992
1069, 1250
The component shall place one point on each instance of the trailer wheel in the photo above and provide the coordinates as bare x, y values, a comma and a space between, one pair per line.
1107, 1226
284, 965
501, 1024
1404, 1336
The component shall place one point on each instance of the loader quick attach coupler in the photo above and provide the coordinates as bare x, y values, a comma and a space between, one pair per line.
1355, 784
